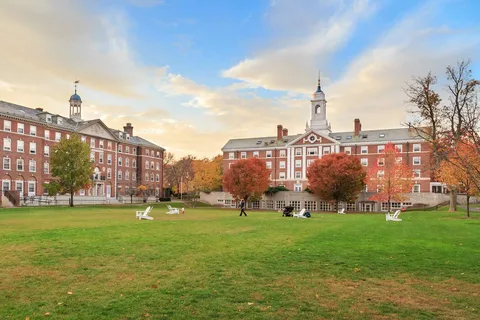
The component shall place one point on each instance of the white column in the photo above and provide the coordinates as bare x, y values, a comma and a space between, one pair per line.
287, 167
292, 164
304, 163
337, 148
320, 152
332, 149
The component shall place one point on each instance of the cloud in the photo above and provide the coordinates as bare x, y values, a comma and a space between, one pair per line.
146, 3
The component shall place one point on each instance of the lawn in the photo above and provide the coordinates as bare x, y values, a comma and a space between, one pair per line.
101, 263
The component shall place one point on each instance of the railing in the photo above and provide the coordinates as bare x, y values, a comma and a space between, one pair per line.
13, 196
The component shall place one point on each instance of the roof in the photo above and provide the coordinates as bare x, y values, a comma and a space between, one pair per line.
367, 136
75, 97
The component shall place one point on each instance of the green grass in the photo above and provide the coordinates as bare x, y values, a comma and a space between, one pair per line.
213, 264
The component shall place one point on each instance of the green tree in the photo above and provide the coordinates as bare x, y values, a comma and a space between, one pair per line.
70, 162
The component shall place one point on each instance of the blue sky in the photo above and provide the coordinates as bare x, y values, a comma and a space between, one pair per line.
192, 74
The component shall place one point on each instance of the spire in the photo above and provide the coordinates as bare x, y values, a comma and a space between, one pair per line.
77, 81
319, 86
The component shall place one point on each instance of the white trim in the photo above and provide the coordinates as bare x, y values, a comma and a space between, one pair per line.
361, 143
308, 134
304, 162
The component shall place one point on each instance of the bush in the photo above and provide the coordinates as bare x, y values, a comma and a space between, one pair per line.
164, 199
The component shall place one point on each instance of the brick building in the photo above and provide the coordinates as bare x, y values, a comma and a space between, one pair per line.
120, 160
288, 156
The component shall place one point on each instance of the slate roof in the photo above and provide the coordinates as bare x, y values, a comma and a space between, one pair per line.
14, 110
366, 136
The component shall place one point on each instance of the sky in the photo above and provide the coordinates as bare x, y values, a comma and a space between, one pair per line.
190, 75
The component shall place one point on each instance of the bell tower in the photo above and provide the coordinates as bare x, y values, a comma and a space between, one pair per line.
76, 105
318, 120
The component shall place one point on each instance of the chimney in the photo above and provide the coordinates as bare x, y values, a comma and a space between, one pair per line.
285, 132
279, 132
128, 129
39, 109
357, 127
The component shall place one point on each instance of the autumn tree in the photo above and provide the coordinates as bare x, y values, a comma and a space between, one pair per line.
247, 178
70, 162
456, 117
178, 173
461, 171
207, 174
336, 177
390, 177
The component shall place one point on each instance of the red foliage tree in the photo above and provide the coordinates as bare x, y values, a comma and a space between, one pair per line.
390, 177
247, 178
337, 177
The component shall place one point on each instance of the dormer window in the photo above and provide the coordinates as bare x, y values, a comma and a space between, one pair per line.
349, 137
59, 120
382, 135
49, 118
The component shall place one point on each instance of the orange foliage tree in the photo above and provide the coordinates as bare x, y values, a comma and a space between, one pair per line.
461, 170
207, 174
337, 177
390, 177
247, 178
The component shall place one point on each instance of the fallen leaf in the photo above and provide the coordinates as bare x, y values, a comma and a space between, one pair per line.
27, 318
250, 303
69, 292
154, 286
47, 314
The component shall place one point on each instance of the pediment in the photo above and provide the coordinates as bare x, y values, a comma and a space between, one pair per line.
97, 129
312, 138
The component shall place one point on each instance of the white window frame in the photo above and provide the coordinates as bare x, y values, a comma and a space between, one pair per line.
31, 188
7, 144
92, 142
298, 151
309, 162
269, 164
417, 147
58, 136
7, 163
416, 188
20, 146
33, 130
268, 154
347, 150
380, 148
381, 162
7, 125
20, 128
46, 167
281, 175
283, 153
100, 157
256, 154
231, 155
109, 158
243, 155
101, 144
109, 173
399, 148
46, 134
32, 166
298, 174
312, 151
364, 162
417, 173
298, 163
20, 162
33, 148
364, 150
282, 165
46, 151
415, 162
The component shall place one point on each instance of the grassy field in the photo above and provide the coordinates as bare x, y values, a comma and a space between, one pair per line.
101, 263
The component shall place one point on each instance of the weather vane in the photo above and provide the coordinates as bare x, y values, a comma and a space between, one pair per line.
76, 82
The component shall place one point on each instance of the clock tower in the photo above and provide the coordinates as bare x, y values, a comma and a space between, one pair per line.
318, 120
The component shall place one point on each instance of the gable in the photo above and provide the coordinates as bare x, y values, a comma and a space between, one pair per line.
97, 129
312, 137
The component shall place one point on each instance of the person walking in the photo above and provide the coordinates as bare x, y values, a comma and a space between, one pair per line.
242, 207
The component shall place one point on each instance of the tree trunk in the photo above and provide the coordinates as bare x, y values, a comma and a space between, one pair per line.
453, 201
71, 198
131, 198
468, 205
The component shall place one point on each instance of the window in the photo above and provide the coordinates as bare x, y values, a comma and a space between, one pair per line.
134, 163
381, 135
120, 162
157, 166
134, 176
281, 175
312, 151
298, 151
59, 120
147, 164
416, 188
347, 150
364, 162
309, 162
84, 139
297, 188
298, 175
146, 176
380, 149
243, 155
109, 159
416, 147
416, 161
101, 144
380, 174
231, 156
46, 134
7, 125
20, 165
68, 136
127, 175
58, 136
282, 164
158, 154
298, 163
120, 148
134, 150
349, 137
119, 174
283, 153
269, 154
152, 177
255, 154
109, 145
48, 117
381, 161
7, 144
416, 173
269, 164
46, 151
152, 165
157, 177
20, 128
20, 146
32, 166
33, 148
33, 130
398, 160
127, 149
100, 157
31, 188
364, 150
127, 162
46, 167
326, 150
92, 156
92, 142
109, 173
147, 152
399, 147
6, 163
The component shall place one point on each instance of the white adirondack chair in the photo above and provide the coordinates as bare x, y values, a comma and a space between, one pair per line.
172, 210
144, 214
341, 211
300, 214
393, 217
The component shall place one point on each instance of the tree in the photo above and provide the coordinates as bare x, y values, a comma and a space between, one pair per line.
459, 115
132, 189
178, 173
70, 162
207, 174
247, 178
461, 171
143, 192
390, 177
336, 177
